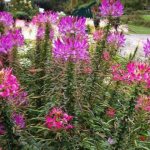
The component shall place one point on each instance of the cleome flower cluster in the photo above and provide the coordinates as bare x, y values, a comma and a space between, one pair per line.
143, 103
113, 8
9, 84
73, 43
6, 19
57, 119
134, 72
41, 19
116, 39
11, 39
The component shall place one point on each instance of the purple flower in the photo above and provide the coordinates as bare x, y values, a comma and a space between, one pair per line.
6, 43
18, 120
116, 39
71, 49
11, 39
47, 17
20, 99
17, 38
147, 48
6, 19
112, 8
72, 26
111, 141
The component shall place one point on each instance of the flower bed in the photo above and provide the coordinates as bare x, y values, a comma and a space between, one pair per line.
71, 89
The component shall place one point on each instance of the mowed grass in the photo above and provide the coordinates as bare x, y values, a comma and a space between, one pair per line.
138, 29
146, 17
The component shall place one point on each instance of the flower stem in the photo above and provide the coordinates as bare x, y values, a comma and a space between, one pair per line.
123, 128
70, 105
8, 125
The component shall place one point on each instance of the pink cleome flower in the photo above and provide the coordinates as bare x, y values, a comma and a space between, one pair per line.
19, 99
143, 103
116, 39
9, 84
106, 56
110, 112
6, 19
134, 72
71, 49
18, 120
112, 8
47, 17
57, 119
72, 26
73, 43
98, 35
11, 39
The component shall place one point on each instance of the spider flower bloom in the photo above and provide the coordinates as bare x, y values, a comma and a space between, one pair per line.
72, 26
116, 39
6, 43
143, 103
134, 72
47, 17
112, 8
11, 39
6, 19
58, 120
17, 38
98, 35
71, 49
110, 112
147, 48
9, 85
18, 120
106, 56
19, 99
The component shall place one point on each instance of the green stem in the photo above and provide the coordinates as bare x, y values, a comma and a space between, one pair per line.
8, 125
13, 60
123, 128
70, 105
96, 65
42, 55
45, 52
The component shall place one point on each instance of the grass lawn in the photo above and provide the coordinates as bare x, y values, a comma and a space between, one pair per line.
146, 17
139, 29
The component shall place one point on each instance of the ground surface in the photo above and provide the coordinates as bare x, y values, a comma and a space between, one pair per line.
132, 41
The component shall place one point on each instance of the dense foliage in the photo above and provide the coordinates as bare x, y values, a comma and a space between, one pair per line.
69, 88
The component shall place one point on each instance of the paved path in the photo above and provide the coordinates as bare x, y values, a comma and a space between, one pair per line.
132, 41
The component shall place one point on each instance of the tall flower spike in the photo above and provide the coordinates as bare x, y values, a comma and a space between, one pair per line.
147, 48
71, 49
112, 8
